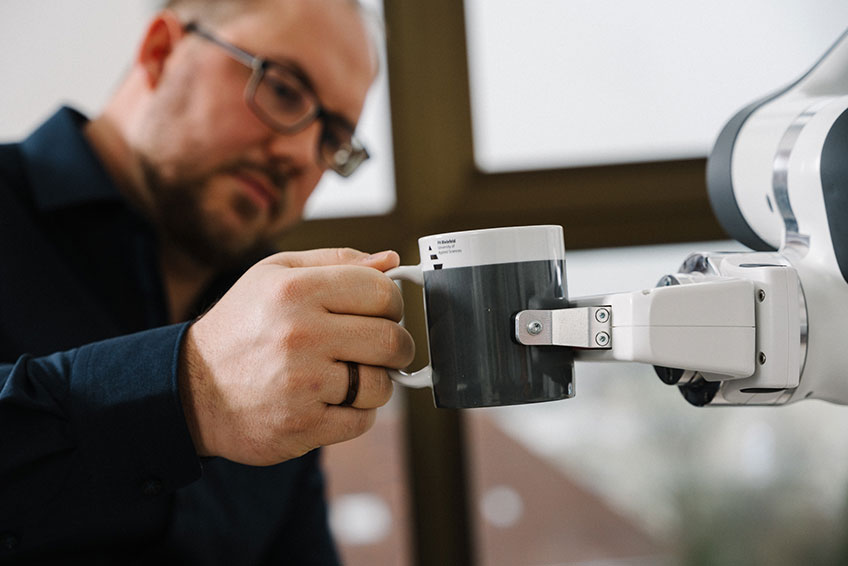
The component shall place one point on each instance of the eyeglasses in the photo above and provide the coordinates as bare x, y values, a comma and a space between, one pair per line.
282, 98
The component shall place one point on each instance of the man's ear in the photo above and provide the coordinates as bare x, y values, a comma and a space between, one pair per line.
163, 34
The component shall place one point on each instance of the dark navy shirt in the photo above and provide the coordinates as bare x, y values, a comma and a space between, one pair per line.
96, 461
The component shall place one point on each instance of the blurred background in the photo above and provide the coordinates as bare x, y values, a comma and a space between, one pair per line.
594, 115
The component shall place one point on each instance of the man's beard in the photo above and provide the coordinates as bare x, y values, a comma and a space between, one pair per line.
178, 213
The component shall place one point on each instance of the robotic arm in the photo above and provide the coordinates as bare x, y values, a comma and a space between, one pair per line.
751, 328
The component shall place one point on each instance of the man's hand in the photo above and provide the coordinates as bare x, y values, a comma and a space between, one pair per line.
262, 373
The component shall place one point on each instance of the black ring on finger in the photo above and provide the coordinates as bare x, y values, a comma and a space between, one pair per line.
352, 384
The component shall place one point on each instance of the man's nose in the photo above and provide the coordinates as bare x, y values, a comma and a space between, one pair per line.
300, 148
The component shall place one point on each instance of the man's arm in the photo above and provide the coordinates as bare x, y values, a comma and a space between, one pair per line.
91, 441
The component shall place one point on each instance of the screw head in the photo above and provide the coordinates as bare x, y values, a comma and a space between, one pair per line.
762, 358
761, 295
534, 327
602, 315
602, 338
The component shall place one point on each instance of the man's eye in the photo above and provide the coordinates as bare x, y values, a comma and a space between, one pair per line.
331, 137
336, 132
285, 96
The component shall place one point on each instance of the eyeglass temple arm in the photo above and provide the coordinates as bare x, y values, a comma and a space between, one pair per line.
239, 55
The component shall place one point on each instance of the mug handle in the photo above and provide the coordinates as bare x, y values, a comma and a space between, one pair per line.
424, 376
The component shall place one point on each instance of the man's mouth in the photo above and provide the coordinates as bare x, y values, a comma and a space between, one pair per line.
259, 189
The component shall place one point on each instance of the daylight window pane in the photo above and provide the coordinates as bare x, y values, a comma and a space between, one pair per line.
577, 82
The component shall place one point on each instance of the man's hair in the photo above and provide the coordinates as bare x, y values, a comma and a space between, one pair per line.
212, 11
217, 11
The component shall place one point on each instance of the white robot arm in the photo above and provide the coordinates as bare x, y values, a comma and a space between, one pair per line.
754, 328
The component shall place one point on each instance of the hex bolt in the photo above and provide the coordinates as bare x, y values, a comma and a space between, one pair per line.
602, 338
602, 315
534, 327
761, 295
762, 358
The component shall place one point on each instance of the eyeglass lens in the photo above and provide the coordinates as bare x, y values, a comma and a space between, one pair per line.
285, 101
284, 98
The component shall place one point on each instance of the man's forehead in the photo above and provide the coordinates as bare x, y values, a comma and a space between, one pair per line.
326, 40
282, 28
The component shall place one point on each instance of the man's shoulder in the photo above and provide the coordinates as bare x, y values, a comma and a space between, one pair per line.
11, 157
13, 179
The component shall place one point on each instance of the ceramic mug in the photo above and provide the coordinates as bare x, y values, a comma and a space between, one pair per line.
475, 282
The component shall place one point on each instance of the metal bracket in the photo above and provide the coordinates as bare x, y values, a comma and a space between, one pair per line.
579, 327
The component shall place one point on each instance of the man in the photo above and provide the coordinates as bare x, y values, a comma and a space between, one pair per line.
128, 435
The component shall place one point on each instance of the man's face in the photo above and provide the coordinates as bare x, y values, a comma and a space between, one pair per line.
223, 183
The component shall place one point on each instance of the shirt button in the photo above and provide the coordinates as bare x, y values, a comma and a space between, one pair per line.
151, 487
8, 541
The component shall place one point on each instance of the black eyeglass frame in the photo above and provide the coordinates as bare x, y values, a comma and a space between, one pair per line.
345, 155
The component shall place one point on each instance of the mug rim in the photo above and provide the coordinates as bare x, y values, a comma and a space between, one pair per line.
527, 227
491, 246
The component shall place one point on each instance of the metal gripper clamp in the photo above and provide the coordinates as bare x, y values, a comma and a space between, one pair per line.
578, 327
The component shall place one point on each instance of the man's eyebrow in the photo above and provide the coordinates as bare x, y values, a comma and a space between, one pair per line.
293, 67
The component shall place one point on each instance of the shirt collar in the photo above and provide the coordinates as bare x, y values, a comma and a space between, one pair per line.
61, 165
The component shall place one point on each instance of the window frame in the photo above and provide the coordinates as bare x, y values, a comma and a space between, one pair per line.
439, 189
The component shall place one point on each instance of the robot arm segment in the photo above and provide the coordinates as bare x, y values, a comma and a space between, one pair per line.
728, 328
733, 328
706, 326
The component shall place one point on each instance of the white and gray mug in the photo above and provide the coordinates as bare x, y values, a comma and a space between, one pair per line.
474, 283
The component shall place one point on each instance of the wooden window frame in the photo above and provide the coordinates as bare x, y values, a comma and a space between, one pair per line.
439, 189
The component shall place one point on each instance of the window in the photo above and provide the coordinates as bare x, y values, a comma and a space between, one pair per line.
561, 83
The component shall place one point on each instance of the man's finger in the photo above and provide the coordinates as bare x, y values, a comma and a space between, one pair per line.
335, 256
371, 340
353, 289
374, 389
343, 423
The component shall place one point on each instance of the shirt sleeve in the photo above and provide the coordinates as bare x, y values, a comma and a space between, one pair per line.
237, 514
88, 436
